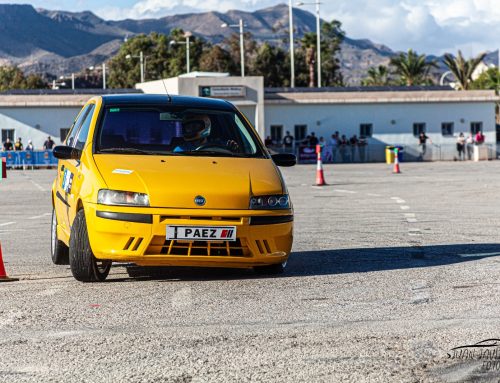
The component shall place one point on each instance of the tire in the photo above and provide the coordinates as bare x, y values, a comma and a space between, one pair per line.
84, 266
58, 250
274, 269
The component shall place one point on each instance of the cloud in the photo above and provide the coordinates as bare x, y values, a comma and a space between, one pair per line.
428, 26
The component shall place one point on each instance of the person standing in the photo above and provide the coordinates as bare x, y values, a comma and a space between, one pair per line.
362, 148
479, 138
422, 140
48, 144
29, 147
313, 140
469, 144
353, 141
7, 145
288, 142
18, 146
461, 146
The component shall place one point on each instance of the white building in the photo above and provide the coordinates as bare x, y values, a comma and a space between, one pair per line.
392, 116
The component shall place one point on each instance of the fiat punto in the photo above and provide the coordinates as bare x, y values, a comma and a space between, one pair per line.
155, 180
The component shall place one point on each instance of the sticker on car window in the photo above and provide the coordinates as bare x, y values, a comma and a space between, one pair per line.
67, 181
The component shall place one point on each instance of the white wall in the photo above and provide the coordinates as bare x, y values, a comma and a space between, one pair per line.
346, 118
25, 120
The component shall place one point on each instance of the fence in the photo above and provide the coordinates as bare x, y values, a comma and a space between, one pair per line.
29, 159
377, 153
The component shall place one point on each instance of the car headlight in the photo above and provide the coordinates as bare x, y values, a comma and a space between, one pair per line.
280, 201
117, 197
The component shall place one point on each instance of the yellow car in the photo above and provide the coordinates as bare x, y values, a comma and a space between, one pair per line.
154, 180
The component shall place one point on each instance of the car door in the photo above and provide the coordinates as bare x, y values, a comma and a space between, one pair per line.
68, 169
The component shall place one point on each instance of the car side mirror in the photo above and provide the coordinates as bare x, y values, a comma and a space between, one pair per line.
63, 152
284, 159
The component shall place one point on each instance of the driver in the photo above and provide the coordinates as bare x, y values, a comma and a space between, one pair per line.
196, 130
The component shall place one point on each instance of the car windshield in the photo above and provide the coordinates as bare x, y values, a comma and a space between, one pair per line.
168, 130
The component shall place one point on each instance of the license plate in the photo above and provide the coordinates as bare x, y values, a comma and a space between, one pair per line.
202, 233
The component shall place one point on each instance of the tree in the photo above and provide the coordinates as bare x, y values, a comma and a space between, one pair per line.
377, 76
332, 36
11, 77
161, 59
271, 63
412, 68
250, 49
462, 69
216, 59
489, 79
308, 43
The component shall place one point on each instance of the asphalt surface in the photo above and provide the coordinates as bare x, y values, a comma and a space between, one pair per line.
388, 274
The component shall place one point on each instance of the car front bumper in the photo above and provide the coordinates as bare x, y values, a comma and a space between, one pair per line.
138, 235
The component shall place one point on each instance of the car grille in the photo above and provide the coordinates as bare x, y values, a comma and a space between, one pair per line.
197, 248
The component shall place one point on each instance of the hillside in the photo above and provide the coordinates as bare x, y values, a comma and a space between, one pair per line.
60, 42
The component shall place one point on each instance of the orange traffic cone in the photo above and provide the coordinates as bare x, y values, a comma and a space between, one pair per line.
3, 168
3, 274
396, 162
320, 177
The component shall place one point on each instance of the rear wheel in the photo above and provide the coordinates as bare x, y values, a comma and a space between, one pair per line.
84, 266
274, 269
59, 251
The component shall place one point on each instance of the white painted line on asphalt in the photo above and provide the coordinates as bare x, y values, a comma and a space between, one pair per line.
373, 195
412, 231
39, 216
410, 215
7, 223
400, 201
38, 186
411, 220
404, 207
345, 191
395, 198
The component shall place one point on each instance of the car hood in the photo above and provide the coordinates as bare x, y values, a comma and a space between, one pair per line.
175, 181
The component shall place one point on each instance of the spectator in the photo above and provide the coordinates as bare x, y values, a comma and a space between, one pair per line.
422, 141
288, 142
469, 143
334, 143
19, 144
479, 139
353, 141
48, 144
29, 147
461, 146
313, 140
268, 141
362, 148
343, 143
7, 145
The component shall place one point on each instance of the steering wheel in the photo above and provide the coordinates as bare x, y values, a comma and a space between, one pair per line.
214, 145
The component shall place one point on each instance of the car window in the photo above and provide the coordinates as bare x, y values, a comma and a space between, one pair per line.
84, 130
70, 138
176, 130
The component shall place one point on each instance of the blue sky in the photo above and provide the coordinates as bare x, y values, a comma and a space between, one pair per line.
429, 26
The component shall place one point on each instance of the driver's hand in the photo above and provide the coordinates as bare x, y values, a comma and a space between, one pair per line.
233, 145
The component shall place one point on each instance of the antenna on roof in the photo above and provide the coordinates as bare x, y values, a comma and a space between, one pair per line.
166, 91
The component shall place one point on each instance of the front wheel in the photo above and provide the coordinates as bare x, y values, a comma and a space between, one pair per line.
84, 266
274, 269
58, 250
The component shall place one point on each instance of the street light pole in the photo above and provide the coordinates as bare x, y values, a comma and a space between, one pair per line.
240, 25
318, 42
103, 75
242, 50
141, 60
292, 53
188, 69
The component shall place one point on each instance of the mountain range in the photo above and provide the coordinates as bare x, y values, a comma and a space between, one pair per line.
61, 42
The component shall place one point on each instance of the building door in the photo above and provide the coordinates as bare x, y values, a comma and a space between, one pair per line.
300, 132
8, 133
277, 133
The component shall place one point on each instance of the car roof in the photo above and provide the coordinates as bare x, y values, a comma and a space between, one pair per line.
155, 99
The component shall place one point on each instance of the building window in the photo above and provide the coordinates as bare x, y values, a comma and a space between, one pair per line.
418, 127
7, 133
63, 132
277, 133
300, 132
365, 130
447, 128
476, 127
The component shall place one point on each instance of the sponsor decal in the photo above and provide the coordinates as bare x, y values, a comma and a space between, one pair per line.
67, 181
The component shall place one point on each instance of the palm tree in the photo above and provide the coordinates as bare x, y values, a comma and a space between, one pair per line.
309, 43
412, 68
377, 76
462, 69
